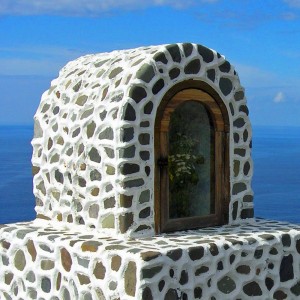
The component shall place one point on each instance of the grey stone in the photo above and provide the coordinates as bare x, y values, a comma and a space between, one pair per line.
94, 155
197, 292
81, 100
279, 295
115, 72
150, 255
144, 213
130, 279
206, 53
158, 86
238, 188
137, 93
106, 134
110, 152
129, 113
239, 95
148, 273
59, 177
252, 289
247, 213
226, 285
125, 221
225, 67
213, 249
211, 74
296, 289
184, 277
193, 67
144, 197
174, 73
174, 52
171, 295
286, 271
269, 283
95, 175
188, 49
240, 122
145, 73
128, 168
160, 57
201, 270
175, 254
258, 253
161, 285
133, 183
126, 134
243, 269
196, 253
286, 240
46, 284
145, 155
244, 109
128, 152
144, 138
109, 202
225, 86
148, 108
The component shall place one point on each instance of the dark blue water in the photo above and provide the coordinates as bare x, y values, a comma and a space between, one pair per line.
276, 182
16, 198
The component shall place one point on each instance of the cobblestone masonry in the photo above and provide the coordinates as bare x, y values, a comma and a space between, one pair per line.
93, 237
93, 147
257, 261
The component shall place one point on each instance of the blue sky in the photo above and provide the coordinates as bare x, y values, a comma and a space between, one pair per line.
260, 38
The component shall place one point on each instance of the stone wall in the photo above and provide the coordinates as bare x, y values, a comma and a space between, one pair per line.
257, 261
93, 148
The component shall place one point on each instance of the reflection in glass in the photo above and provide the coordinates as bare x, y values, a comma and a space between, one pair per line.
191, 161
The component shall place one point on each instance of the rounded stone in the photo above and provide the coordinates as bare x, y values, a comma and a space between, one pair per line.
130, 279
193, 67
20, 260
252, 289
174, 73
137, 93
188, 49
147, 294
225, 86
66, 259
174, 52
226, 285
207, 54
197, 292
171, 295
46, 284
196, 253
129, 113
99, 270
157, 87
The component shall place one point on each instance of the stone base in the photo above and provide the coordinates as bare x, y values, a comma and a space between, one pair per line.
260, 260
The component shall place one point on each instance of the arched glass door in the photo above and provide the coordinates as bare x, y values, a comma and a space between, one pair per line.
190, 163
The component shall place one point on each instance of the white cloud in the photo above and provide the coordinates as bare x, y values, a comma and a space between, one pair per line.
293, 3
85, 7
279, 97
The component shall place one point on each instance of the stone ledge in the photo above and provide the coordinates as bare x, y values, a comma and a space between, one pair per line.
256, 261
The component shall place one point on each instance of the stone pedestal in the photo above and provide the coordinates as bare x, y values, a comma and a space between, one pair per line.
45, 261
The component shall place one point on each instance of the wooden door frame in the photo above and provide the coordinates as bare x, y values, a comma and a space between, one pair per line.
202, 92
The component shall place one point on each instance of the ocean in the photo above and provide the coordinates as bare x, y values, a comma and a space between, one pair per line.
276, 181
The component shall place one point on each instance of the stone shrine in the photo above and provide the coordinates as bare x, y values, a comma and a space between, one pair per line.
142, 178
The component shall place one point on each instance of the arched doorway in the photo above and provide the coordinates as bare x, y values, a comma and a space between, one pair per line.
191, 162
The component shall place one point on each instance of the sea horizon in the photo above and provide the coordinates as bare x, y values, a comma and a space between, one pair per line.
276, 182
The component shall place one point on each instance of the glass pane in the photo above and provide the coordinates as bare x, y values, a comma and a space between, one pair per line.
191, 161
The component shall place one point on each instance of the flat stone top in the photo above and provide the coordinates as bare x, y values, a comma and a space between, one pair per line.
260, 231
